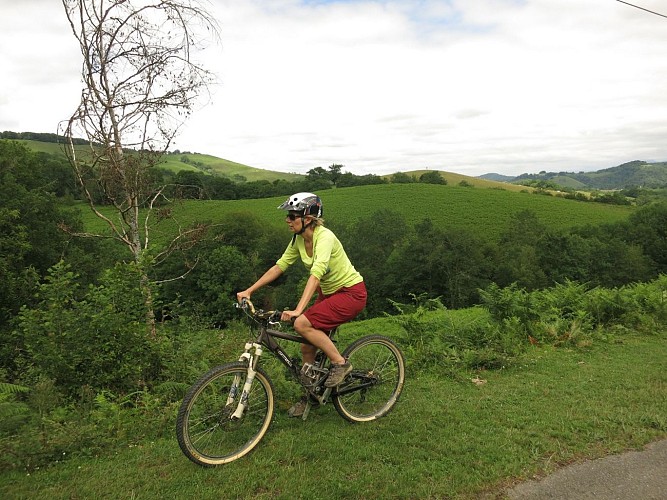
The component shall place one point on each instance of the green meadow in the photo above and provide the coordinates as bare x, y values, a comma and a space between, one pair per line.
486, 212
214, 165
468, 436
197, 162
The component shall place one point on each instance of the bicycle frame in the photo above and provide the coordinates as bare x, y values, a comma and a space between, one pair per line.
252, 354
266, 339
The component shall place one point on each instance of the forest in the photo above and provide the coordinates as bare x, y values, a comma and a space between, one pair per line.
73, 334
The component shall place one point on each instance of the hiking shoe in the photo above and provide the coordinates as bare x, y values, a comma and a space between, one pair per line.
337, 374
298, 408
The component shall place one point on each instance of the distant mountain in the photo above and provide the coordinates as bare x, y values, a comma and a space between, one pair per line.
634, 173
497, 177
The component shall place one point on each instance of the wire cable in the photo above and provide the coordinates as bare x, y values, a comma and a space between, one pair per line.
642, 8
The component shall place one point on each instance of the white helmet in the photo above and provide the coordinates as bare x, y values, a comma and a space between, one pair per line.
304, 203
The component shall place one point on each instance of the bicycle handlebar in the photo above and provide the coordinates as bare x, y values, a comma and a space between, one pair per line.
247, 305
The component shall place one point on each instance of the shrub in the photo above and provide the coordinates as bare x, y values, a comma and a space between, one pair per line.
445, 341
570, 313
96, 338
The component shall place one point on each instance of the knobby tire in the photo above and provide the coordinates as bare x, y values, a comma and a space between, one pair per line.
207, 434
376, 381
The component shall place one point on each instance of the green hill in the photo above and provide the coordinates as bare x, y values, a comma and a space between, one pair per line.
483, 211
197, 162
635, 173
213, 165
456, 179
46, 147
238, 172
193, 161
568, 182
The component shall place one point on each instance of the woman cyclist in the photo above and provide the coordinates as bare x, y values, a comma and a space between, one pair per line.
341, 292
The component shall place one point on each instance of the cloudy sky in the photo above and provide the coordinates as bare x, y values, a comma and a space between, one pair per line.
467, 86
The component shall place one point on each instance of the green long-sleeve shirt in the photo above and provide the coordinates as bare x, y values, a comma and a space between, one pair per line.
329, 263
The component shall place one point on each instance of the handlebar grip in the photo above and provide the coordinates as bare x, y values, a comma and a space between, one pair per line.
246, 303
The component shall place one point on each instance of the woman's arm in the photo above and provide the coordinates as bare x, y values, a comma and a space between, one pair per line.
271, 275
308, 292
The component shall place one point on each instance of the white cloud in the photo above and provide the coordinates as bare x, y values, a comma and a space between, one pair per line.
40, 82
469, 86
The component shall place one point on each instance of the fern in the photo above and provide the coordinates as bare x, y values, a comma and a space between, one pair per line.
7, 388
171, 388
12, 409
8, 407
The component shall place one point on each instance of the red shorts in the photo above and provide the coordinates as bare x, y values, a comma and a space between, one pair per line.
333, 310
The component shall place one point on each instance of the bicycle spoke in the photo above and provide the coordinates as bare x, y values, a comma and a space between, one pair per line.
379, 373
206, 430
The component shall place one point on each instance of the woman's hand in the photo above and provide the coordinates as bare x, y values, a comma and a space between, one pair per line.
242, 295
289, 316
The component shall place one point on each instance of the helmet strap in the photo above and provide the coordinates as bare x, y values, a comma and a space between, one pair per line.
304, 226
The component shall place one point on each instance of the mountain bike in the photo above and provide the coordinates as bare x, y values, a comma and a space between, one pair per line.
227, 412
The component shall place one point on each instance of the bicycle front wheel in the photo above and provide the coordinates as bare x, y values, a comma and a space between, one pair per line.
376, 381
209, 433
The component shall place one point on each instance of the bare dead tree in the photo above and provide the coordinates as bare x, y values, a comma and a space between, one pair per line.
141, 82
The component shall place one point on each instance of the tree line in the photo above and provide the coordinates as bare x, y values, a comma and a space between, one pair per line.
188, 184
38, 136
399, 261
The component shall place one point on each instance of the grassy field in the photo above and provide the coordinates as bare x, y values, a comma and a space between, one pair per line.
486, 212
207, 163
46, 147
453, 179
212, 164
447, 438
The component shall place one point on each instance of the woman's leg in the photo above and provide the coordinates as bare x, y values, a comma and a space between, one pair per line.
318, 339
328, 313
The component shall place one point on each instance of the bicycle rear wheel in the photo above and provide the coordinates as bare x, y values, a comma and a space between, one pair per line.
207, 432
376, 381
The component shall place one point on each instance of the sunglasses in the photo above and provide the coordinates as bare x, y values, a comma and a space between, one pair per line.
292, 216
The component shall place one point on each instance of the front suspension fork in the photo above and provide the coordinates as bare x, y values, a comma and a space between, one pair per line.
252, 360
